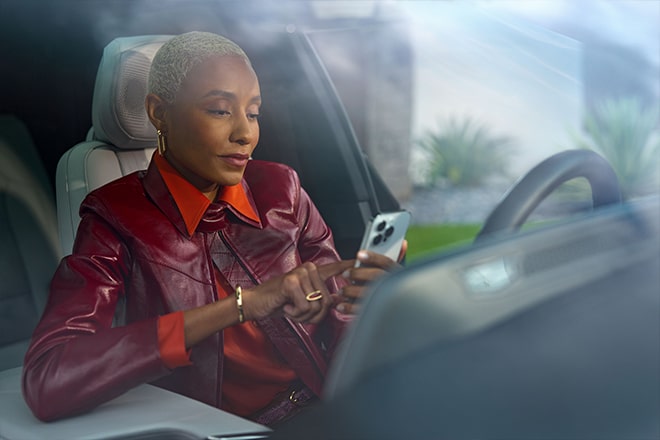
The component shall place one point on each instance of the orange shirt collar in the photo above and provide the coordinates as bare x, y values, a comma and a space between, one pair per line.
192, 203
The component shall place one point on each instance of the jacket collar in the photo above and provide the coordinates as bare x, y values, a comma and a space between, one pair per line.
165, 185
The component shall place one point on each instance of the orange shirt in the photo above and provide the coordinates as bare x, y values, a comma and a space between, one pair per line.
254, 372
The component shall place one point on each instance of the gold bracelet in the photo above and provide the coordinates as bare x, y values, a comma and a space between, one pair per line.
239, 303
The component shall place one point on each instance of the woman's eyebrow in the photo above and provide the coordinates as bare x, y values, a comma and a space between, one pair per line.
221, 93
230, 95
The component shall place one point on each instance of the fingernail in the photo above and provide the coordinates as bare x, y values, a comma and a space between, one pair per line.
346, 274
341, 308
363, 255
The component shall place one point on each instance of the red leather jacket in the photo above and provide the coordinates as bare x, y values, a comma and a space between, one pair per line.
133, 254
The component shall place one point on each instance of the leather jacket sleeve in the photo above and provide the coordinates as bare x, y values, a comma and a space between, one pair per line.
77, 360
315, 243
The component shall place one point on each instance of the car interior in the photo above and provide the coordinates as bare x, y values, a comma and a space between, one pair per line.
551, 332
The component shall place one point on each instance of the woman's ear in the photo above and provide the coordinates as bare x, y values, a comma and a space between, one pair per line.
156, 110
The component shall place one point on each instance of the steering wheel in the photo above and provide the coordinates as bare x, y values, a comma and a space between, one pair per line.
528, 192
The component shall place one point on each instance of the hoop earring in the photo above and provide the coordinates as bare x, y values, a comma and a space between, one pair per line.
162, 143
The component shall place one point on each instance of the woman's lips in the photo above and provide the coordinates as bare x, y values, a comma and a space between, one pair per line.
236, 160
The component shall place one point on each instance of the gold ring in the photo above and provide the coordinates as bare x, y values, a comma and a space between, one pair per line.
314, 296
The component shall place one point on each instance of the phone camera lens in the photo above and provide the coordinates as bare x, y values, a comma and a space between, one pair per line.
389, 231
377, 239
381, 226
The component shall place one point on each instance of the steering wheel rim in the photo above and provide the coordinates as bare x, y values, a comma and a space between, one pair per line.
529, 191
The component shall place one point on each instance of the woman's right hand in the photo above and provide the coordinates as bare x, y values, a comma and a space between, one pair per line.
287, 295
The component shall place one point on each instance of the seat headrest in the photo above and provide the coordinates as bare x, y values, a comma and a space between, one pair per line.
118, 114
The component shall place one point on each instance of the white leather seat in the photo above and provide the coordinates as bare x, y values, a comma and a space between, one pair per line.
121, 139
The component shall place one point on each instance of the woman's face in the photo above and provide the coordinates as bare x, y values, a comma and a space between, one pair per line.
212, 126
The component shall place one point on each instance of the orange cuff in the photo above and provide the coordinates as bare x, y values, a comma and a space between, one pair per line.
171, 341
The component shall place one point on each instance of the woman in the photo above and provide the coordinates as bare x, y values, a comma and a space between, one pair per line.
203, 254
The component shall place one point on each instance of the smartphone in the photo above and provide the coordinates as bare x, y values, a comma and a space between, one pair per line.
385, 233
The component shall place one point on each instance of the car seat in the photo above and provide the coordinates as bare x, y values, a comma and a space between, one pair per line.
30, 248
121, 139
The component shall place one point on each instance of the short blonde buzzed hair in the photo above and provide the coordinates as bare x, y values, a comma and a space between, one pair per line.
179, 55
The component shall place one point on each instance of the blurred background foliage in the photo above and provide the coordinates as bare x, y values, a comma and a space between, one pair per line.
463, 153
627, 134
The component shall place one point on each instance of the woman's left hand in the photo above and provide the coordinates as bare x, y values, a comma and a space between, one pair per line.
372, 266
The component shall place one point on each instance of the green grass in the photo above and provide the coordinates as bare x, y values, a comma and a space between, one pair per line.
424, 240
427, 240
